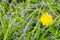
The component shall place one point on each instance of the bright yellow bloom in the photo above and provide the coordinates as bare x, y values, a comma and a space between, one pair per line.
46, 19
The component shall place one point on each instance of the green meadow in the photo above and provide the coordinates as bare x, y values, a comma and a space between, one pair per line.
20, 20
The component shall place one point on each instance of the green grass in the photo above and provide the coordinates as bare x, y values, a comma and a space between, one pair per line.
19, 20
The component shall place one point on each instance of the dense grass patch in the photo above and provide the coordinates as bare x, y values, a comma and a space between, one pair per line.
20, 20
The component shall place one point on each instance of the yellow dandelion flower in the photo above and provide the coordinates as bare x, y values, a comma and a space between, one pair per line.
46, 19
